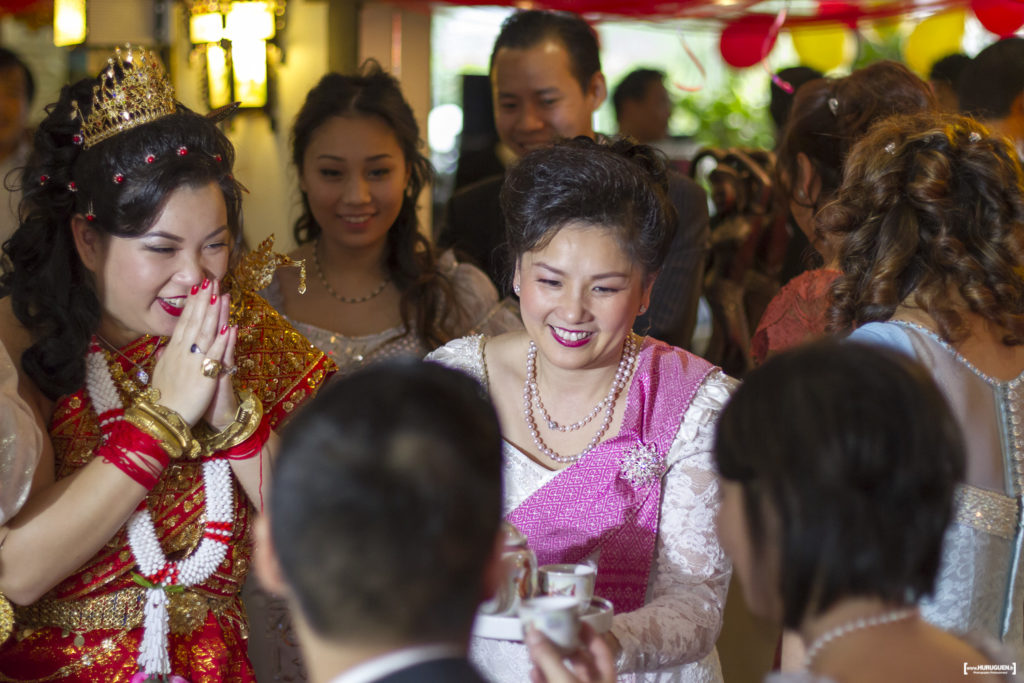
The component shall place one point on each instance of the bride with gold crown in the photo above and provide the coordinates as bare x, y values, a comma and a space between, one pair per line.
154, 379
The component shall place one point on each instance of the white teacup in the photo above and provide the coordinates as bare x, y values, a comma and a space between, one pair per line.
571, 580
555, 616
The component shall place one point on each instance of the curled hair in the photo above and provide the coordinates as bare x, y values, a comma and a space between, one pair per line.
929, 215
428, 306
856, 469
620, 186
826, 136
52, 293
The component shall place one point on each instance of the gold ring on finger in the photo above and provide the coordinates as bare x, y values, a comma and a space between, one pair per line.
212, 368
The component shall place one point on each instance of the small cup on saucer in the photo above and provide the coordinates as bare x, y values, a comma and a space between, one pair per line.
571, 580
557, 617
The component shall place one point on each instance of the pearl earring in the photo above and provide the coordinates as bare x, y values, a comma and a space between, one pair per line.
643, 308
515, 288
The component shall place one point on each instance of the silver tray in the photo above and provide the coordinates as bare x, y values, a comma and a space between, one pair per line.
599, 616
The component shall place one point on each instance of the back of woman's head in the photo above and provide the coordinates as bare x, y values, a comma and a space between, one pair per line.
118, 179
847, 456
930, 213
830, 114
374, 93
618, 185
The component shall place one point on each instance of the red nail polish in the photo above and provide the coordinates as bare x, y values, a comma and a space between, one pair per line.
195, 288
213, 299
206, 282
224, 329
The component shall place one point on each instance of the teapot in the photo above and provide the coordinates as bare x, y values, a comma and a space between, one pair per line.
519, 574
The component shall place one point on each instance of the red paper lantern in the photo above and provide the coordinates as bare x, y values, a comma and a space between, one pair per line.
744, 42
1002, 17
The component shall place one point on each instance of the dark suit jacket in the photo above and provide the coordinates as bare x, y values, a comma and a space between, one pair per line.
475, 228
451, 670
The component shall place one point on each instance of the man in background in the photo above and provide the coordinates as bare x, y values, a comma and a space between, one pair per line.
992, 89
381, 528
547, 83
642, 106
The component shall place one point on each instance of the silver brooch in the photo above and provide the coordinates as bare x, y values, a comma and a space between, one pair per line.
641, 465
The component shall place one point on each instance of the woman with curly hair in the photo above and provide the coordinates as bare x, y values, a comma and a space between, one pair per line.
378, 289
829, 115
927, 228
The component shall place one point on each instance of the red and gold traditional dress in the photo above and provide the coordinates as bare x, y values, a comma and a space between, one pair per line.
89, 627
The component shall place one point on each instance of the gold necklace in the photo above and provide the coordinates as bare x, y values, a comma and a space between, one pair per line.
330, 290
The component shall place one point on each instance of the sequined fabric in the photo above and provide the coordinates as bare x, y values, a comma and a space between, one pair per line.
980, 585
66, 635
671, 638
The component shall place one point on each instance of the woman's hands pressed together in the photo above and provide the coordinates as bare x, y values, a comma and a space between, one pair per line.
202, 340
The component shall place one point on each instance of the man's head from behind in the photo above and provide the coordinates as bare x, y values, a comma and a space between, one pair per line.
385, 505
991, 89
546, 79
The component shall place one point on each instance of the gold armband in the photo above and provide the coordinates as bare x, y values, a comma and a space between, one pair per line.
166, 426
247, 421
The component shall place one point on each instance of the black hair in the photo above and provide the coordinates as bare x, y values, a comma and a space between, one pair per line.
854, 454
123, 183
634, 87
10, 60
949, 68
617, 185
386, 501
527, 28
781, 102
993, 80
428, 306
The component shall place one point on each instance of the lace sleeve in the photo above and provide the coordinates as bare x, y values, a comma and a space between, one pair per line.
465, 354
690, 575
483, 312
21, 441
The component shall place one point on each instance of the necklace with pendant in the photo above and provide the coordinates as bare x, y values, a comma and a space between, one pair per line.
140, 372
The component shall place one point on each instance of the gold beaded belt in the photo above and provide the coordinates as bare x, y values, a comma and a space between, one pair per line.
986, 511
124, 610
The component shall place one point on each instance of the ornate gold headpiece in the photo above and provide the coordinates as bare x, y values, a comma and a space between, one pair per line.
127, 97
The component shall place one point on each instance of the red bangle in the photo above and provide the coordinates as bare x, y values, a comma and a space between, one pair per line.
133, 451
251, 447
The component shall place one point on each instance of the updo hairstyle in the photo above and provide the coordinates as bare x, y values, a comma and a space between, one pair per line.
930, 214
618, 185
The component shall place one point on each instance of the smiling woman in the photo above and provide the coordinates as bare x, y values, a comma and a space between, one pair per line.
130, 345
586, 405
379, 289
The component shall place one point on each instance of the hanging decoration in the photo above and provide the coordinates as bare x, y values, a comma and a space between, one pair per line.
1001, 17
826, 47
934, 38
747, 40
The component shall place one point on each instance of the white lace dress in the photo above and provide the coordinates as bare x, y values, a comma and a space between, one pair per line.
672, 637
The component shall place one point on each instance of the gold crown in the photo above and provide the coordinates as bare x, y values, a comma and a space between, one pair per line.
127, 97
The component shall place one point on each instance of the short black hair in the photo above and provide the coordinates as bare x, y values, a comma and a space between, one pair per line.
782, 101
634, 87
10, 60
385, 504
618, 185
856, 454
993, 80
526, 28
949, 68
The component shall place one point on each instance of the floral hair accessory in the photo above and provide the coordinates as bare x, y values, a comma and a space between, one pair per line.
150, 158
119, 178
182, 151
833, 106
975, 136
891, 148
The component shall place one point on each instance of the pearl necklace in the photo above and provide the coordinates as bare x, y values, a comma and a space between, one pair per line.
849, 627
161, 574
531, 396
339, 297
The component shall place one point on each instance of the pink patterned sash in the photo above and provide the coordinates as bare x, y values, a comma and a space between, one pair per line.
609, 500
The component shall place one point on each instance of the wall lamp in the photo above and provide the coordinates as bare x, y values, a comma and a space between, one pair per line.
68, 22
234, 35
